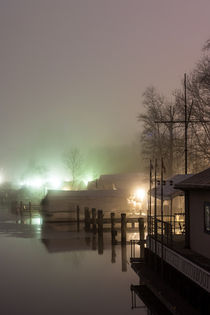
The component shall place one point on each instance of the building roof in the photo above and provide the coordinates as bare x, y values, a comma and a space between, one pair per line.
169, 191
198, 181
86, 193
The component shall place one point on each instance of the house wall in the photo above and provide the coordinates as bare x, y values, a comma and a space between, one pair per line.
104, 200
199, 240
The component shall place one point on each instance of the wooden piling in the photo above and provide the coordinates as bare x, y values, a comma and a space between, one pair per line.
113, 260
141, 228
124, 258
141, 236
94, 220
100, 243
113, 231
123, 228
87, 219
100, 221
78, 213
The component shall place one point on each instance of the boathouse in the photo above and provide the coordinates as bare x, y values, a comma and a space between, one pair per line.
197, 196
176, 266
60, 205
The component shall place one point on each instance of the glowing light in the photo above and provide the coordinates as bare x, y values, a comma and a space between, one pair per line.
140, 194
54, 182
36, 221
36, 182
87, 179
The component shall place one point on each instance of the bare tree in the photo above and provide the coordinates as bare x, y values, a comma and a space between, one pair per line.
158, 136
74, 163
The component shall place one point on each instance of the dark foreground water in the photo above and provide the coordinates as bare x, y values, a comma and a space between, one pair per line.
57, 269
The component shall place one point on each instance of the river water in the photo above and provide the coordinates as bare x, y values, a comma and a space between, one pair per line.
59, 269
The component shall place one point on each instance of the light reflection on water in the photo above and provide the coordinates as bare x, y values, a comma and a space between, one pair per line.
55, 269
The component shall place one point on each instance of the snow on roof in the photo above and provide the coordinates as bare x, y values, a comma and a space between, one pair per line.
169, 191
200, 180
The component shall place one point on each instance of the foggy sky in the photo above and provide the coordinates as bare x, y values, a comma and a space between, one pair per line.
73, 71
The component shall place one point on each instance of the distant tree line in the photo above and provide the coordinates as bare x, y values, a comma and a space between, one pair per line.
166, 139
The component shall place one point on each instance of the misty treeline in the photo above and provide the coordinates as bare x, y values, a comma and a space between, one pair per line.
79, 163
166, 139
101, 160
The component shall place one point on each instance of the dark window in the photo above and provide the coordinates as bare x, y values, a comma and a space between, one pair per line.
207, 217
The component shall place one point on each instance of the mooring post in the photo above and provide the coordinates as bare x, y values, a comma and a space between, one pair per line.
100, 243
94, 242
78, 210
141, 229
124, 258
94, 220
87, 219
141, 236
113, 231
113, 260
100, 221
123, 228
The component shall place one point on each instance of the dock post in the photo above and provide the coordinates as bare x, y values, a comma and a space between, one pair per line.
94, 220
78, 210
113, 260
94, 242
87, 219
123, 228
100, 233
124, 258
113, 231
100, 243
100, 221
141, 236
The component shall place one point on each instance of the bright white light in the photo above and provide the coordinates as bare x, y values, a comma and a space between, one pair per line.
36, 221
140, 194
54, 182
36, 182
32, 182
87, 179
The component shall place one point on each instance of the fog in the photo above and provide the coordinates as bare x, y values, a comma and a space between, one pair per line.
73, 72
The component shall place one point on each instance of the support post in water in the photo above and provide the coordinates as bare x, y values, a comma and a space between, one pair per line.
123, 228
113, 231
78, 210
100, 221
87, 219
124, 258
141, 236
94, 219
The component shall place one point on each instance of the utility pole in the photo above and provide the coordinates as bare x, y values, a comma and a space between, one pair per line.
186, 122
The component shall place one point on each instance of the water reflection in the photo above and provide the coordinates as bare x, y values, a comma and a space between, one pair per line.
60, 269
63, 237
